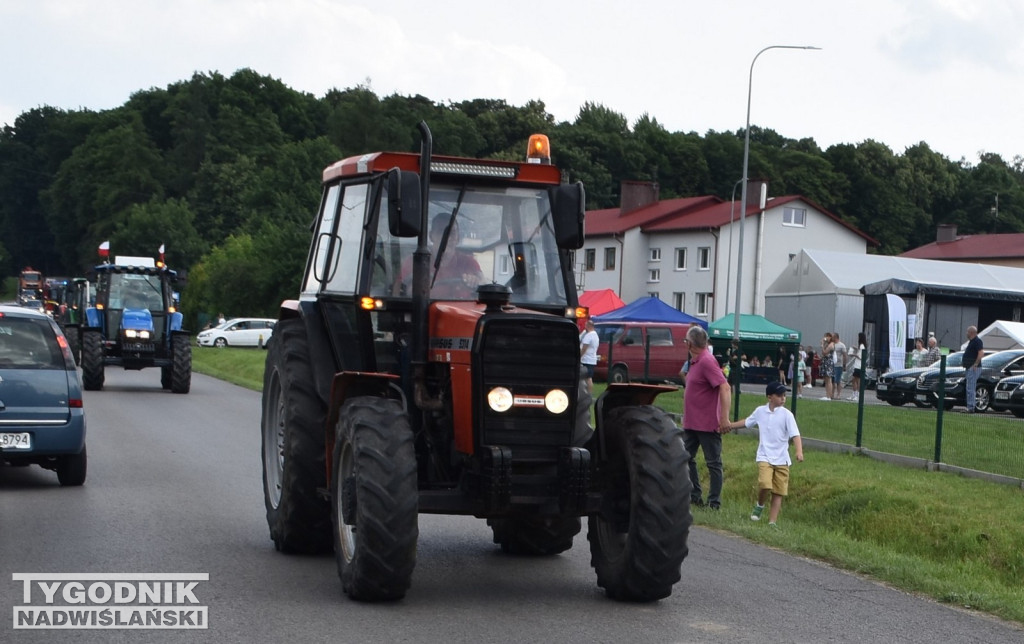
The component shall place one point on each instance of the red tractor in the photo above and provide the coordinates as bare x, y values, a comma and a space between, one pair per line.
431, 365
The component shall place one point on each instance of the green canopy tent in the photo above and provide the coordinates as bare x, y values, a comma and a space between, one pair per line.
759, 337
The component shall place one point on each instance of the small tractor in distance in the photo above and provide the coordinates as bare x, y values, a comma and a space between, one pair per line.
439, 372
134, 323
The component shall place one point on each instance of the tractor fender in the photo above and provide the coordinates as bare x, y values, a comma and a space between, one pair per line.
93, 317
624, 395
176, 319
348, 384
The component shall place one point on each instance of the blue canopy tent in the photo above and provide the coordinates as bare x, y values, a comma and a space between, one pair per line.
649, 309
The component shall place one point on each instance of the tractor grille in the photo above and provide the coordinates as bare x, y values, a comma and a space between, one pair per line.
529, 356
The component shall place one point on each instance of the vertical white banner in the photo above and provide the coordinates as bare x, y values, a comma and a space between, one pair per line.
897, 332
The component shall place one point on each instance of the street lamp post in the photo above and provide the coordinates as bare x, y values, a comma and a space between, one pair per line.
743, 192
728, 266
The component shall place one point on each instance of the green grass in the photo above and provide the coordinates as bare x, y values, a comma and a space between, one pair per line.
239, 366
954, 539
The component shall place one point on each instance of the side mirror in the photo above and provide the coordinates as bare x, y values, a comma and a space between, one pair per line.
403, 203
568, 203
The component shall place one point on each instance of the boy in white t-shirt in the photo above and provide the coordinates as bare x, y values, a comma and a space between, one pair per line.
776, 426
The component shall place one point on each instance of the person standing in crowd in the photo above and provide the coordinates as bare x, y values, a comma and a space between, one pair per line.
809, 362
934, 354
855, 365
705, 416
973, 354
919, 354
799, 373
588, 352
839, 364
827, 367
776, 426
784, 362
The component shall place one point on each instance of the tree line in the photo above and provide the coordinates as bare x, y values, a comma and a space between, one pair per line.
225, 171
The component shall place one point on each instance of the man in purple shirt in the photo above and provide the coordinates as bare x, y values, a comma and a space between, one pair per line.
705, 415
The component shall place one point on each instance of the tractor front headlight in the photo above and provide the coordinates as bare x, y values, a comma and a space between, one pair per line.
556, 401
499, 399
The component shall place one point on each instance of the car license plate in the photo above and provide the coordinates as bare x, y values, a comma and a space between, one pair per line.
12, 440
882, 387
921, 397
1002, 395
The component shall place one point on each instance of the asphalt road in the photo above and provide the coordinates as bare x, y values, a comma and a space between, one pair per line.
174, 487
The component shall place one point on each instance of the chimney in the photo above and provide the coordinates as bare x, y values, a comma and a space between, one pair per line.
946, 233
637, 194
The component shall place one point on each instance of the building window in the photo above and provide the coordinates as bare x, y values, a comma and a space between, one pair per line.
703, 303
704, 258
680, 259
654, 275
589, 259
794, 217
609, 259
504, 264
653, 294
679, 301
655, 254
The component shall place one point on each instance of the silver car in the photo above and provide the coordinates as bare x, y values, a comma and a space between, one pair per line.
42, 418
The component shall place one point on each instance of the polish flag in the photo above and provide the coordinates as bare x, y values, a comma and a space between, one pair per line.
105, 249
161, 251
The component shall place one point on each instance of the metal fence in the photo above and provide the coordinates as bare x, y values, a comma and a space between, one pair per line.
941, 437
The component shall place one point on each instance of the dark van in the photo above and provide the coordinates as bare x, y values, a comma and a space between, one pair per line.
640, 351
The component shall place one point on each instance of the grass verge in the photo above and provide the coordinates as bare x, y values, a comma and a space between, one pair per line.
954, 539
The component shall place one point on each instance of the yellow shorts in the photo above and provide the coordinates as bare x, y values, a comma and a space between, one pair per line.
773, 477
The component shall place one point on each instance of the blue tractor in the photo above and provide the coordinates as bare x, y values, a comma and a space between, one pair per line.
134, 323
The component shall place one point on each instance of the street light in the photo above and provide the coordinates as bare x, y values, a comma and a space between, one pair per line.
728, 266
743, 193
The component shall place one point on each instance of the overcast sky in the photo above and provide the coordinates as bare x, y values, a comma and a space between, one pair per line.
946, 72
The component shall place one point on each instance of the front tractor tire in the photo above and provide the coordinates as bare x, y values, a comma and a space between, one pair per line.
74, 338
92, 360
294, 463
639, 539
181, 370
375, 499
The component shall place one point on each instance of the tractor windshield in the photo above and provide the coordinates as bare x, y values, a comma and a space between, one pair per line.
131, 291
479, 235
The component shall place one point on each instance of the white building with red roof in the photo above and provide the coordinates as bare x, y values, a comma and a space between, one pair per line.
685, 251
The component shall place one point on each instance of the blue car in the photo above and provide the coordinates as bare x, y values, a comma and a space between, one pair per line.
42, 419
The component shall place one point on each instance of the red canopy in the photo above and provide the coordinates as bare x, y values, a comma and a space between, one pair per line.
600, 301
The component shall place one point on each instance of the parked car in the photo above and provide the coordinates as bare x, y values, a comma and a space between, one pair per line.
1009, 395
899, 387
994, 367
624, 343
42, 419
238, 332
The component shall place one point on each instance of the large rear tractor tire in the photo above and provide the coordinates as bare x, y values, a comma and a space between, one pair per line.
375, 499
92, 360
638, 540
181, 370
294, 464
534, 535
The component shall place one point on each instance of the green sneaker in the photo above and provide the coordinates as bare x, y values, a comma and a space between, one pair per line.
756, 514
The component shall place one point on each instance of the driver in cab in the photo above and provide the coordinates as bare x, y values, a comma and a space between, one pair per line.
454, 272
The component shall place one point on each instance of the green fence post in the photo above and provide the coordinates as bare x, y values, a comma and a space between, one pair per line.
940, 406
860, 396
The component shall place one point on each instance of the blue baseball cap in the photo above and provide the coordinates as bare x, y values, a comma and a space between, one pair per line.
775, 388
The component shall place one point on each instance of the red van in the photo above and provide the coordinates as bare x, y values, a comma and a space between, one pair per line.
640, 351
